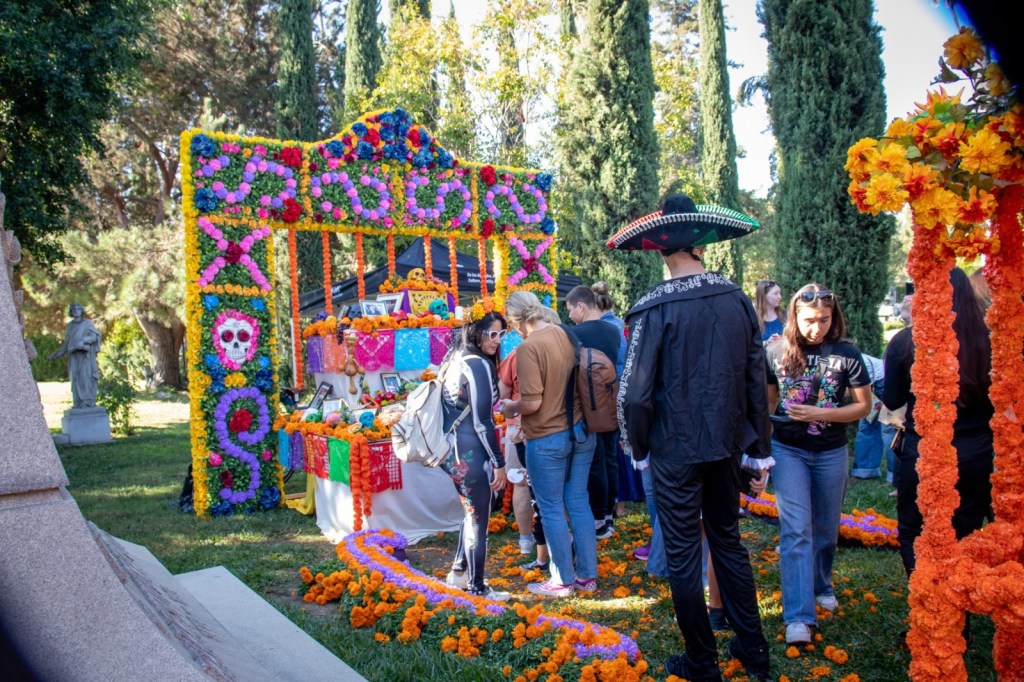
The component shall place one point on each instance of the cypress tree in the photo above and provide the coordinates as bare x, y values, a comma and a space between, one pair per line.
825, 92
718, 143
362, 55
608, 147
297, 113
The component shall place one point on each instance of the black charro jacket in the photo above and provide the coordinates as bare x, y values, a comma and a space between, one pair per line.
693, 387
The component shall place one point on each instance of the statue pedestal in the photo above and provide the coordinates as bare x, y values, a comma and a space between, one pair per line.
84, 425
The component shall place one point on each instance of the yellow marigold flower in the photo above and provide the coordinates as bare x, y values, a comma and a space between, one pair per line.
900, 127
885, 193
892, 158
937, 207
963, 49
947, 141
985, 152
234, 380
998, 83
201, 380
860, 157
977, 209
918, 178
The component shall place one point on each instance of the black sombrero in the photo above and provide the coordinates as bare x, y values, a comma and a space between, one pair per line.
682, 224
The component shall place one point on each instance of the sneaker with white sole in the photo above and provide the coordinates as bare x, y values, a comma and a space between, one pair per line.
526, 544
798, 633
489, 592
605, 531
589, 585
457, 580
827, 602
550, 589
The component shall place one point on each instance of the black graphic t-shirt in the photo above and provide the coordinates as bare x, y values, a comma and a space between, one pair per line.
844, 368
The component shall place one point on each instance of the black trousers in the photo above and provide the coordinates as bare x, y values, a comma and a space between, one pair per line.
974, 468
603, 482
682, 492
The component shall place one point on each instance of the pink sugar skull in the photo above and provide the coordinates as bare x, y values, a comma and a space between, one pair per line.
235, 336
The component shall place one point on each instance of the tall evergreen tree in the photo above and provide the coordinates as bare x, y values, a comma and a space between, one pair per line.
362, 54
825, 92
297, 114
718, 142
608, 146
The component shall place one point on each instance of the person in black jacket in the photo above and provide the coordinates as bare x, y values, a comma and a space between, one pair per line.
477, 463
693, 395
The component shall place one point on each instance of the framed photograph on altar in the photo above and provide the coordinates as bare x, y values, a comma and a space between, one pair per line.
323, 391
392, 301
373, 308
332, 406
392, 382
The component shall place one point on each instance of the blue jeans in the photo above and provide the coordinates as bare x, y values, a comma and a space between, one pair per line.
809, 490
559, 472
872, 440
657, 562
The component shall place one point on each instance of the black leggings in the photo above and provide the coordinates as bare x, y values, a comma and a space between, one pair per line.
538, 527
471, 472
974, 469
603, 482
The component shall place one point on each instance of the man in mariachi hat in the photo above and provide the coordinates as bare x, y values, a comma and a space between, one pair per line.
693, 396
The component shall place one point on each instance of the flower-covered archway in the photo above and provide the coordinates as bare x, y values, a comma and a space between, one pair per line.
960, 166
384, 175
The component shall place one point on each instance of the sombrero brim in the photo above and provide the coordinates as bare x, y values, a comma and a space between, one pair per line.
658, 232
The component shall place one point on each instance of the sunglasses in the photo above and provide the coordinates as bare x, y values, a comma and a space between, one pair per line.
824, 296
769, 284
495, 335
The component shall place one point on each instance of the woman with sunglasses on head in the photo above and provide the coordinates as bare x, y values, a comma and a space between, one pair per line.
477, 464
768, 306
813, 374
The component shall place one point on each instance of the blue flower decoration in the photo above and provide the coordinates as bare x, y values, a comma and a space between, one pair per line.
364, 150
206, 200
359, 128
203, 146
264, 362
387, 119
543, 181
264, 380
547, 226
336, 148
403, 117
387, 133
547, 300
258, 304
210, 301
423, 158
212, 362
217, 386
424, 138
270, 498
320, 316
221, 509
444, 159
397, 151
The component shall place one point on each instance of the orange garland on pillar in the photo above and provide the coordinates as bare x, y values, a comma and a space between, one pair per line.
293, 272
391, 255
360, 266
481, 254
453, 269
428, 260
328, 294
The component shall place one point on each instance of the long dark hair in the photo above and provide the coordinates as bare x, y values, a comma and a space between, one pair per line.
794, 356
975, 347
761, 301
472, 335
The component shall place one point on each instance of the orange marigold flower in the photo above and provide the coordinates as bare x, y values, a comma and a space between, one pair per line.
621, 591
947, 140
860, 156
820, 671
892, 158
852, 677
937, 206
985, 152
506, 670
917, 179
840, 656
998, 83
899, 127
792, 652
885, 193
963, 49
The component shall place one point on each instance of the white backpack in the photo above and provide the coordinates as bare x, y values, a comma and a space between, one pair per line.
419, 435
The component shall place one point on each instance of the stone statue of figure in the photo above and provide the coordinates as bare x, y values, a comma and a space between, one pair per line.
81, 346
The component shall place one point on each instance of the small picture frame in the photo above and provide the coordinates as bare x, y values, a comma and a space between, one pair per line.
373, 308
332, 406
392, 301
392, 382
323, 391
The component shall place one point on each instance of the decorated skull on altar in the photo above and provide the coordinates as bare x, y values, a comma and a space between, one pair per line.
439, 307
235, 337
417, 275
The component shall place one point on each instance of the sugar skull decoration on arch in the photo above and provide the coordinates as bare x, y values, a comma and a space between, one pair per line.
235, 337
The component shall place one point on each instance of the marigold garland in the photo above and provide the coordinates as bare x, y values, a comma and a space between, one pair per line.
428, 263
960, 167
360, 267
453, 269
328, 293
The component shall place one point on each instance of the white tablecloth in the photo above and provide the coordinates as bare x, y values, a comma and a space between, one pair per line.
426, 504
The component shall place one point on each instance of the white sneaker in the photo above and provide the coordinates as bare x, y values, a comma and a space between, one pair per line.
457, 580
526, 543
491, 593
798, 633
827, 602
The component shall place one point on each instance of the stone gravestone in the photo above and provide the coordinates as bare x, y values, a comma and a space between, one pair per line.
85, 422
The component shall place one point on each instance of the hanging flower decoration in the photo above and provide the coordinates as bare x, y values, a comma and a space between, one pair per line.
960, 166
531, 263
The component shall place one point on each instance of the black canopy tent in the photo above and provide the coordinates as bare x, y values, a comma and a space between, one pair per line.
346, 291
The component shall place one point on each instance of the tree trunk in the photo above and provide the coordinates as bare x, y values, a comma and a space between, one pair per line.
165, 344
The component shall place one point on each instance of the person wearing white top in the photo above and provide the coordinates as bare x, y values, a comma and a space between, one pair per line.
873, 436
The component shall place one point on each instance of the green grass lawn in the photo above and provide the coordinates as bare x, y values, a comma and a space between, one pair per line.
130, 488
